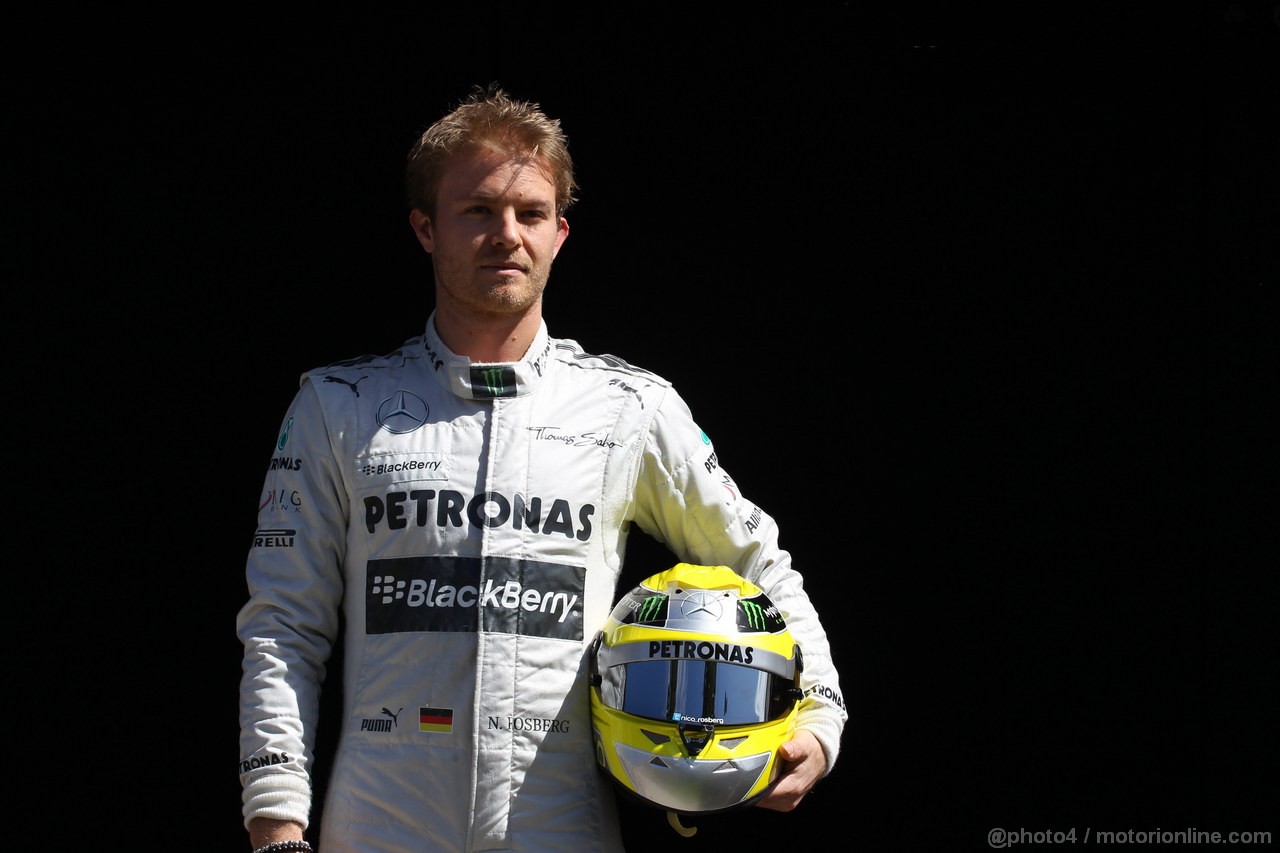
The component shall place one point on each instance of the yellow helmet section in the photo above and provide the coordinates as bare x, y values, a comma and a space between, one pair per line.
653, 763
703, 577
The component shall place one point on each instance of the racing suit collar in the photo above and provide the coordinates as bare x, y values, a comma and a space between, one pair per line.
474, 380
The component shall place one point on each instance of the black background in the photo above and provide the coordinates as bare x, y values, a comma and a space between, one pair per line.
983, 312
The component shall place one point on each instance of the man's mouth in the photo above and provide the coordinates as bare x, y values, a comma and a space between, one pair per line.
504, 266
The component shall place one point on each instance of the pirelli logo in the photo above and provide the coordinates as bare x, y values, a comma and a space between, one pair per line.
495, 594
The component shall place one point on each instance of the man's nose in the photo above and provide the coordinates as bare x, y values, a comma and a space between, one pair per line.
507, 232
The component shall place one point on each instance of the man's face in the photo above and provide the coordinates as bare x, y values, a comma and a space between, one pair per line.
494, 235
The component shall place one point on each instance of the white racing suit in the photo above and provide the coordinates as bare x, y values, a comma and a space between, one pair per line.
468, 522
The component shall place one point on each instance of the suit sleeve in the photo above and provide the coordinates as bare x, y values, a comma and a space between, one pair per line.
290, 620
687, 500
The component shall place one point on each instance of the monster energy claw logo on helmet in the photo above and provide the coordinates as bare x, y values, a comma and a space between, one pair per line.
759, 614
651, 609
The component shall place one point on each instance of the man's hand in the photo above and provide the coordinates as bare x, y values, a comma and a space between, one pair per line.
803, 764
264, 830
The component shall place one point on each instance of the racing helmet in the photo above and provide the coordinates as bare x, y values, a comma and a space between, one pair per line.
695, 682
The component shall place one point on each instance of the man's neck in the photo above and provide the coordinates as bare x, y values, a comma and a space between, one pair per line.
489, 338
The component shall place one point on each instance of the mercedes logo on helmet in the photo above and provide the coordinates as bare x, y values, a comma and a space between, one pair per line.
702, 605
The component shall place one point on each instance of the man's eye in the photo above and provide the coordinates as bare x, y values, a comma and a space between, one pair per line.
477, 208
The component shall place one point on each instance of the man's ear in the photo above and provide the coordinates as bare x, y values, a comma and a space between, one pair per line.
421, 225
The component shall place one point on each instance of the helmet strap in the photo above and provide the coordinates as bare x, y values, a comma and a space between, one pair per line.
686, 831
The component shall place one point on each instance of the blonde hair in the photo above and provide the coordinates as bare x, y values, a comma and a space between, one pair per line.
491, 118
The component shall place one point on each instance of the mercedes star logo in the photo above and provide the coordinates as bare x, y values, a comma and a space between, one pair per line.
404, 411
702, 605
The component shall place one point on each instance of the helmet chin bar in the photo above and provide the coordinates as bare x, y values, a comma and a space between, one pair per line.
695, 743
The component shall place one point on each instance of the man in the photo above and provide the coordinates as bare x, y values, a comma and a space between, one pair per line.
459, 510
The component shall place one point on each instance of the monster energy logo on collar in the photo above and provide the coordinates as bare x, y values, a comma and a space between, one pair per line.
490, 382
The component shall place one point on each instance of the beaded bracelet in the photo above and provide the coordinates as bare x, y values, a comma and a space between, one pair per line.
283, 846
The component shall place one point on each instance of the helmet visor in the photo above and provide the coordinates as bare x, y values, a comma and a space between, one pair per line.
696, 691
